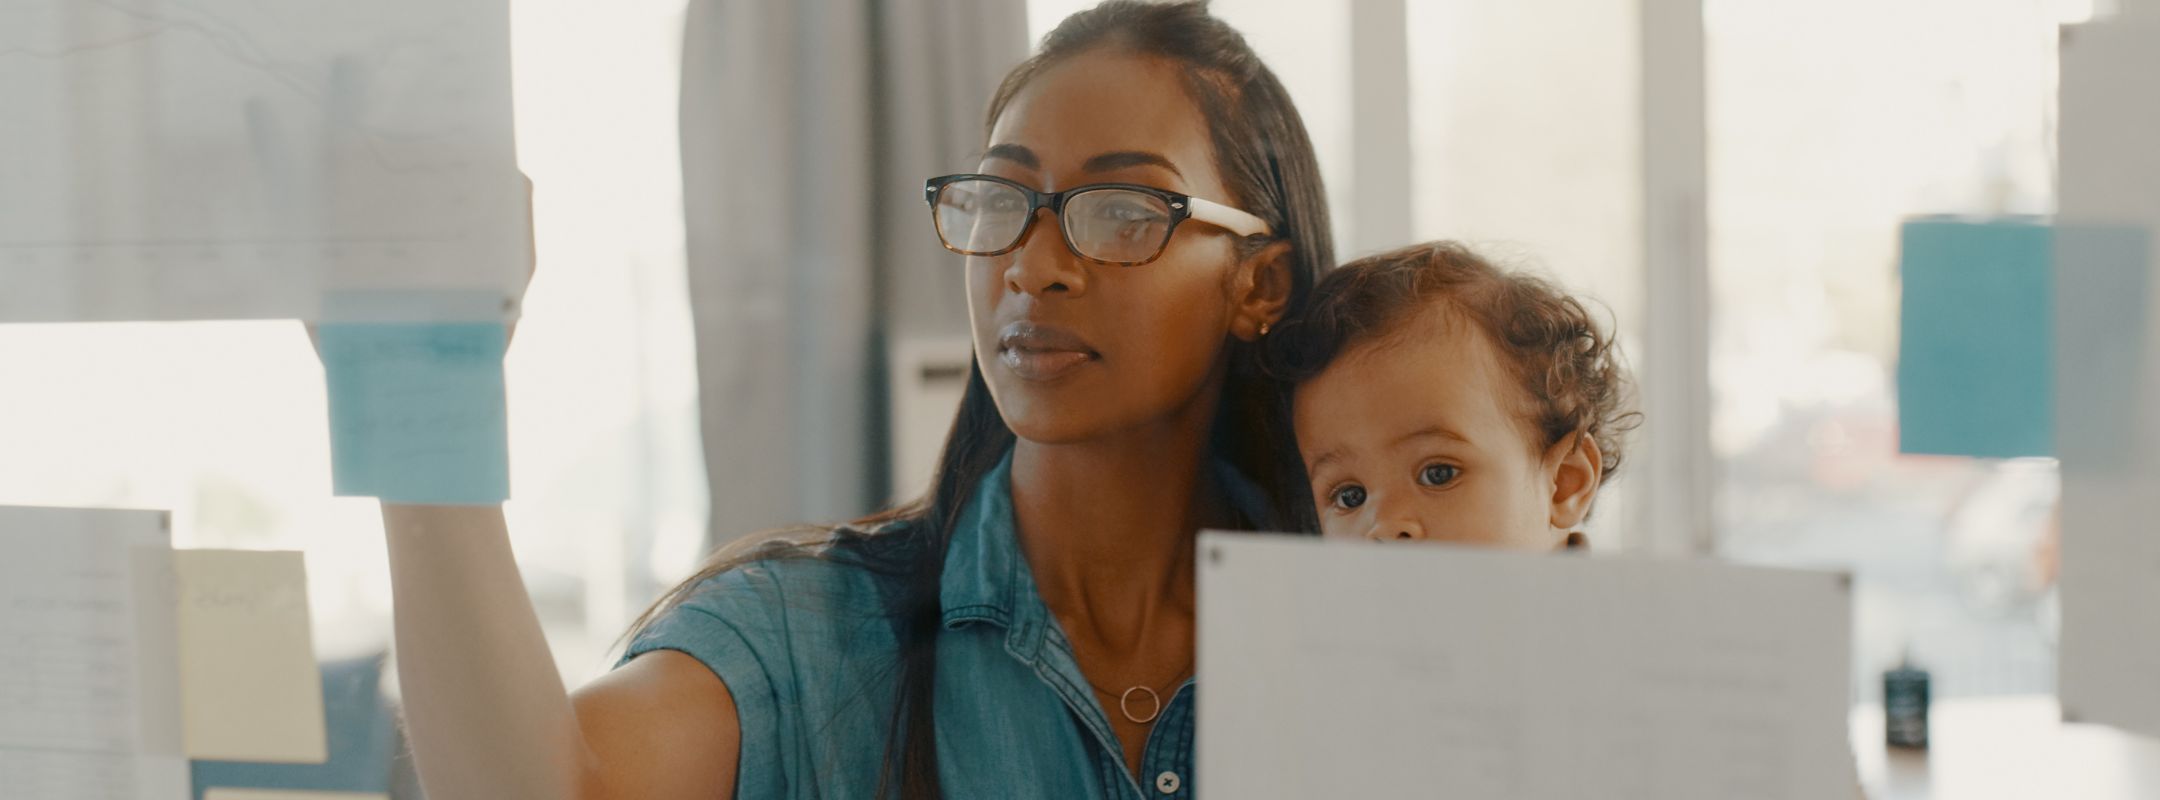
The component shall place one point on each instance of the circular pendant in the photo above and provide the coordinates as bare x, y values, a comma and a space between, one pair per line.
1124, 705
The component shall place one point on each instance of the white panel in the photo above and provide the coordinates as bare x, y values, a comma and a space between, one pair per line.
1361, 670
928, 376
2110, 175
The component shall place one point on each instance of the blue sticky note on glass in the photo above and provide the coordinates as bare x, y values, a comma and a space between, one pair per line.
1977, 337
416, 411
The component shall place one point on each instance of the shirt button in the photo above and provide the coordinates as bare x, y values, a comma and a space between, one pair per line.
1167, 783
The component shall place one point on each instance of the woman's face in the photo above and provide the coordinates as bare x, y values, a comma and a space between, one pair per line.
1074, 350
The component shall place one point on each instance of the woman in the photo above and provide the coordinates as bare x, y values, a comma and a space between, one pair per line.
1147, 208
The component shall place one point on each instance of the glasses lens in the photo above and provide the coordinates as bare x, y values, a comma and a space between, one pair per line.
979, 217
1117, 225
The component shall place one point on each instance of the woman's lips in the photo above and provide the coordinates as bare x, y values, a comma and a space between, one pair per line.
1042, 353
1043, 365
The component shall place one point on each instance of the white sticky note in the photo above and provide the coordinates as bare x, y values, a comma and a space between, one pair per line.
220, 159
88, 709
1361, 670
250, 686
217, 793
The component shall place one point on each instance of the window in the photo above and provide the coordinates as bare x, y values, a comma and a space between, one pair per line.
224, 422
1828, 124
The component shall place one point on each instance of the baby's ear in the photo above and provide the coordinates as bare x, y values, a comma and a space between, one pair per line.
1574, 465
1260, 291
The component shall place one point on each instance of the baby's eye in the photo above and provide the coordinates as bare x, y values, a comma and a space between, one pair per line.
1438, 474
1348, 497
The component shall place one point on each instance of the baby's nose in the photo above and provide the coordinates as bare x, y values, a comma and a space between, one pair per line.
1396, 529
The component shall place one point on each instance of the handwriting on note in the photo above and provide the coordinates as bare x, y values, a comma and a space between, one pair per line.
86, 650
250, 687
417, 411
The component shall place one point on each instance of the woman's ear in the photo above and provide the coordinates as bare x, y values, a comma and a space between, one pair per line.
1574, 466
1260, 291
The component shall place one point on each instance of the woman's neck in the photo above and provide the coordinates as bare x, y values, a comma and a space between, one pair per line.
1107, 526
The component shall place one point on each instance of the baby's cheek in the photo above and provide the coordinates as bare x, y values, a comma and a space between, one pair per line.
1474, 513
1335, 523
1336, 526
1477, 537
1477, 522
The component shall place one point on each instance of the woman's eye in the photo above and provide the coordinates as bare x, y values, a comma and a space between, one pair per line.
1438, 474
1348, 497
1132, 213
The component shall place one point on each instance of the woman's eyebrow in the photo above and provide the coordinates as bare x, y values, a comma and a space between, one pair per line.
1104, 162
1018, 154
1120, 159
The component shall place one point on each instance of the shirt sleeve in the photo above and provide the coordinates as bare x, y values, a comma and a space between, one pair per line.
733, 624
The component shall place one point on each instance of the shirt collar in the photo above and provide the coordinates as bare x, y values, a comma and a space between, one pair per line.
982, 564
987, 580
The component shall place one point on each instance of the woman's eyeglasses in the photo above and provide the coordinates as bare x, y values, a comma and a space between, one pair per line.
1108, 223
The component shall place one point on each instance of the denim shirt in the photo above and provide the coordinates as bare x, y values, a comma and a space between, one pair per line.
808, 651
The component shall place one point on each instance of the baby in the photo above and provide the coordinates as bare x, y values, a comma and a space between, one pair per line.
1440, 398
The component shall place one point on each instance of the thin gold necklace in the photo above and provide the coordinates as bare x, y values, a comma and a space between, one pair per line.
1125, 698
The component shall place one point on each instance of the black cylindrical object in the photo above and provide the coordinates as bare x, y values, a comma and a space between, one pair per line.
1905, 706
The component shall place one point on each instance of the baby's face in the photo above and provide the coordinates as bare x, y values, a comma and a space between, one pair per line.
1423, 435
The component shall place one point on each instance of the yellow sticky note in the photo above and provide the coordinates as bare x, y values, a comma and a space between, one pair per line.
250, 689
287, 794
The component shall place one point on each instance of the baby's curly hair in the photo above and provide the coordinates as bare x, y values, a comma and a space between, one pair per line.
1565, 363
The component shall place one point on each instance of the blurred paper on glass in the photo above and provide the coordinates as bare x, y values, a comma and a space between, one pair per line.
2101, 292
2109, 654
1336, 670
250, 688
288, 794
87, 676
2109, 118
417, 412
228, 159
1976, 337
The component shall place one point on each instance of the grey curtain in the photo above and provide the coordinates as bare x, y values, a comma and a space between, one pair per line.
807, 129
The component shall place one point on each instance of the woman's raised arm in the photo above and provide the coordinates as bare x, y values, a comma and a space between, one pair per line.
485, 707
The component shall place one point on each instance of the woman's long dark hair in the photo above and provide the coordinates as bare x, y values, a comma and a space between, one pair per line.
1267, 161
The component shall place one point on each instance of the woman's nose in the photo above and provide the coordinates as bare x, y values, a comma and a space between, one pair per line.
1043, 264
1396, 529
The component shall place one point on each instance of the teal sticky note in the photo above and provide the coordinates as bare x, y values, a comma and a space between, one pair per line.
1977, 337
416, 411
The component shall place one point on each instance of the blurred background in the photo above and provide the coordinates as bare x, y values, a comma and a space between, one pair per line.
1751, 267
